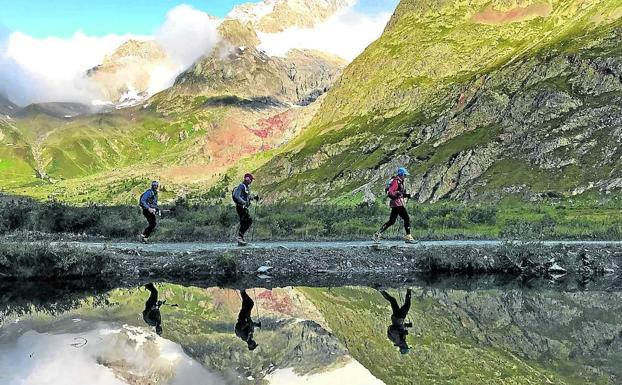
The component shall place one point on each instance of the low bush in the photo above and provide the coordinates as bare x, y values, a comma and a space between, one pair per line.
47, 261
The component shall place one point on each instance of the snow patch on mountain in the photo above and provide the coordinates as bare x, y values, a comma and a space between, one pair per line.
252, 12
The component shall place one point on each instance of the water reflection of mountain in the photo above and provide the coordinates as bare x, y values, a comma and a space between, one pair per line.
320, 336
484, 337
291, 346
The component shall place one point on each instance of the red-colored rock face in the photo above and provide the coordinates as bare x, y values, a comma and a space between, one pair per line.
493, 16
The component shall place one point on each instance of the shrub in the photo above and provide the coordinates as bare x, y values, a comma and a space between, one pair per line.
486, 215
42, 260
227, 265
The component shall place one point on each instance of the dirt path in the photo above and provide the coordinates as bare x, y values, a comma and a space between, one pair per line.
194, 247
325, 262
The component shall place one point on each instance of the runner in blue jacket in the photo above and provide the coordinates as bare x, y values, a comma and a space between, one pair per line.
149, 204
243, 198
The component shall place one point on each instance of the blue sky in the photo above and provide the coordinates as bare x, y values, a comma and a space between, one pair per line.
62, 18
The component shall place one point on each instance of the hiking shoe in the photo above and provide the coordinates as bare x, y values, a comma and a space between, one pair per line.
376, 237
241, 241
409, 239
143, 239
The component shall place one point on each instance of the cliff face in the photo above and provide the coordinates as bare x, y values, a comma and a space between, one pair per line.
273, 16
129, 70
238, 68
482, 336
480, 99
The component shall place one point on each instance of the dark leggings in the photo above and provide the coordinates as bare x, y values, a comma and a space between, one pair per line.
153, 299
247, 306
398, 312
245, 219
151, 218
395, 211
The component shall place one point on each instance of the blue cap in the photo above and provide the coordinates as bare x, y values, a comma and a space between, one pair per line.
402, 172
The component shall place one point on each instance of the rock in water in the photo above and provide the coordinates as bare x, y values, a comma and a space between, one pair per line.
556, 268
264, 269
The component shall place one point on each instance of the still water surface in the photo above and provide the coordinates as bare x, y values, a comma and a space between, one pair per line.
171, 334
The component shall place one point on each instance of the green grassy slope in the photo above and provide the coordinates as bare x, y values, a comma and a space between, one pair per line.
481, 99
489, 337
87, 153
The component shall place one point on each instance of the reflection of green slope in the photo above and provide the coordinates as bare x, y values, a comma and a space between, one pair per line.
471, 345
203, 324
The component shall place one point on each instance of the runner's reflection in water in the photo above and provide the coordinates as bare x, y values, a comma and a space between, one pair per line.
397, 330
151, 314
245, 327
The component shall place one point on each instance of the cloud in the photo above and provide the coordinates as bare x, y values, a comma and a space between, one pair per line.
188, 34
47, 359
346, 34
34, 70
53, 69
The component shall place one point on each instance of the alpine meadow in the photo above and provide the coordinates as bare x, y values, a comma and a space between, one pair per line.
320, 192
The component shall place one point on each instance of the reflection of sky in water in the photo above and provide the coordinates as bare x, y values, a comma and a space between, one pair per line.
111, 356
294, 346
354, 372
318, 336
130, 355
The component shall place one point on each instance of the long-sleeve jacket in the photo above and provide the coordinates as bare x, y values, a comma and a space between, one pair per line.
242, 195
397, 334
149, 199
397, 331
396, 192
245, 328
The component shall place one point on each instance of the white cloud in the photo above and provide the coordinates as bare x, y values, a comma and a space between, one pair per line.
49, 359
36, 70
188, 34
346, 34
54, 68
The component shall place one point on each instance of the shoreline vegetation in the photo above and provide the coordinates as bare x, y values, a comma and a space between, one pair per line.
27, 228
522, 261
592, 219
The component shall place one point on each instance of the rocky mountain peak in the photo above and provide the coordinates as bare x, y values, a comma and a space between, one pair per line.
7, 107
128, 70
238, 33
149, 50
272, 16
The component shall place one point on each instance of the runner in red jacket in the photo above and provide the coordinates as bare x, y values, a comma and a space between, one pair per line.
397, 193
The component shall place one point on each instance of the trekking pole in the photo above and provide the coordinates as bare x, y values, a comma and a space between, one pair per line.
253, 227
256, 304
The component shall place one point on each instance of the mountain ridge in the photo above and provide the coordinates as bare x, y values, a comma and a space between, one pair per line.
456, 121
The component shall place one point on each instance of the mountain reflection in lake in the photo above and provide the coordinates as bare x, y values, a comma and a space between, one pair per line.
319, 336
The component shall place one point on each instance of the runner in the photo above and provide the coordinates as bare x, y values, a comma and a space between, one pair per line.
396, 191
245, 327
243, 198
397, 331
149, 204
151, 314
